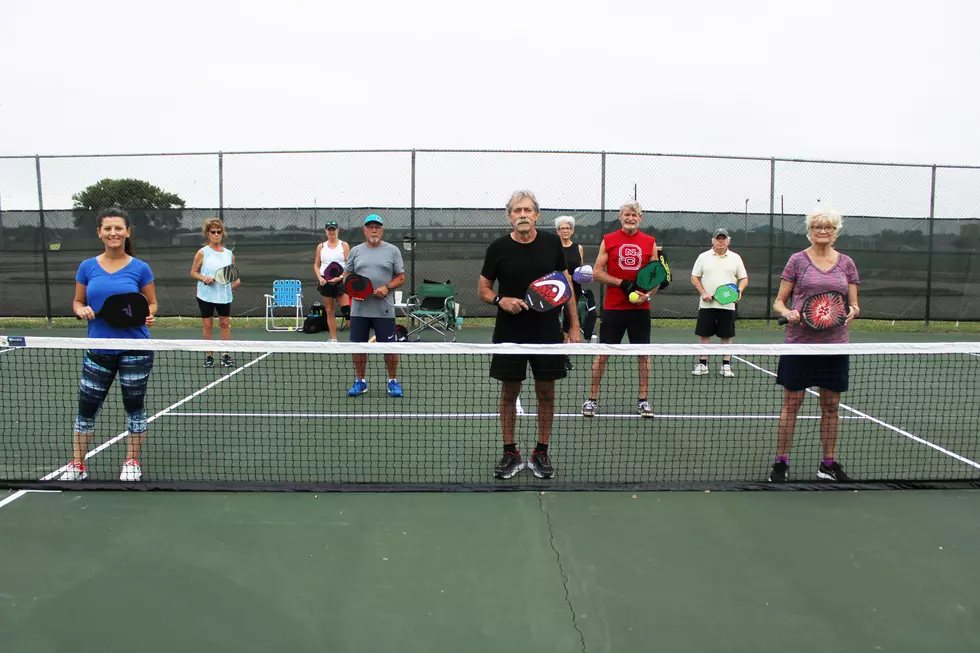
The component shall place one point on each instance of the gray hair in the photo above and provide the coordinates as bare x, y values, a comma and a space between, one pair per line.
564, 219
824, 215
519, 195
635, 206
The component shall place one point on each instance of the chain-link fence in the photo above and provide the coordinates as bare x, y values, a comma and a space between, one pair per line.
913, 230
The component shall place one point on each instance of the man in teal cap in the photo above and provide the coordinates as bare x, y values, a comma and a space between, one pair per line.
382, 263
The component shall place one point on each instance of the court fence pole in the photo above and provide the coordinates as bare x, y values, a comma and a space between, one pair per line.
772, 238
932, 229
44, 240
602, 221
411, 280
221, 186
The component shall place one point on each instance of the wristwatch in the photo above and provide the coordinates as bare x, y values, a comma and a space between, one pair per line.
496, 300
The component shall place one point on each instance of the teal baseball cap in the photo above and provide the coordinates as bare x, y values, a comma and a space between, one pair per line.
374, 217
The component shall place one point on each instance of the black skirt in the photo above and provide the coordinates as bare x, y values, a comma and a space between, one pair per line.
801, 372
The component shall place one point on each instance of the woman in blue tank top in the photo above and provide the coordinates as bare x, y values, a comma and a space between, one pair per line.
214, 297
114, 272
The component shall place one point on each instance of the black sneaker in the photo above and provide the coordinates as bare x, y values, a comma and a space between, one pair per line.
540, 464
832, 472
509, 465
227, 361
208, 362
779, 473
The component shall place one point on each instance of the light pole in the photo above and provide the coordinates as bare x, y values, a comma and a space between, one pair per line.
746, 218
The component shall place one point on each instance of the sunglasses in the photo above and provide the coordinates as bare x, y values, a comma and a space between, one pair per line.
215, 231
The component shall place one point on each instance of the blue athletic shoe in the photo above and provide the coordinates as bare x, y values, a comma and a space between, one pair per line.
359, 388
395, 388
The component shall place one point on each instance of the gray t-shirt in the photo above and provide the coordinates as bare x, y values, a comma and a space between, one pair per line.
379, 264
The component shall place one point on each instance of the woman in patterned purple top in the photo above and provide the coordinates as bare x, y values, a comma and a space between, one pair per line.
817, 269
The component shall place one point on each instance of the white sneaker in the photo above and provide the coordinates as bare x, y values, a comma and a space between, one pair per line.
75, 472
700, 369
643, 409
589, 408
726, 370
131, 471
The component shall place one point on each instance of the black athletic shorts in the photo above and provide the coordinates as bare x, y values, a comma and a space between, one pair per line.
331, 290
801, 372
208, 309
617, 323
513, 367
715, 322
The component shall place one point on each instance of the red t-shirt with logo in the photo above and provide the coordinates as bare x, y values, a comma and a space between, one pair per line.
627, 254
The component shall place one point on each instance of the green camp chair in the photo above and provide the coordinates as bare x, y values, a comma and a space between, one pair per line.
433, 306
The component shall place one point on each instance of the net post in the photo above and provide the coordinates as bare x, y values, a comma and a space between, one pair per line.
44, 240
221, 186
932, 228
772, 238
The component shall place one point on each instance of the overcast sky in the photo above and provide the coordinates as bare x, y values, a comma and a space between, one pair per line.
841, 79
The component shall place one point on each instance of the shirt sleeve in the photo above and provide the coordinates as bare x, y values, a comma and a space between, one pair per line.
489, 270
399, 262
351, 258
82, 275
698, 270
789, 272
146, 275
850, 269
740, 273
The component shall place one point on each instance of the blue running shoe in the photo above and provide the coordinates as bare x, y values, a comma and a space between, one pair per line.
359, 388
395, 388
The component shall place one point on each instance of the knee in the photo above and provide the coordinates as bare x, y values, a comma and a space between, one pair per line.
545, 391
509, 391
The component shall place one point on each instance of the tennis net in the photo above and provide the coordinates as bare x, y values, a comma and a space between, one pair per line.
282, 419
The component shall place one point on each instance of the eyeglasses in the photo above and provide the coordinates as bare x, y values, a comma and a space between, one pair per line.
823, 228
215, 231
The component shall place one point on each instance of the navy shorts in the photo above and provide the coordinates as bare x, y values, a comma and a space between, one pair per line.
360, 329
801, 372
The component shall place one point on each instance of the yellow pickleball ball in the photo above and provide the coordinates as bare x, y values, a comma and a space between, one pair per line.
635, 297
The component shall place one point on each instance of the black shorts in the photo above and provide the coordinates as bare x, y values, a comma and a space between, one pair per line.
208, 309
801, 372
513, 367
384, 329
331, 290
617, 323
715, 322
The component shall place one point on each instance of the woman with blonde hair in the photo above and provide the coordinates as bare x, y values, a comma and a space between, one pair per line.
332, 250
214, 297
818, 269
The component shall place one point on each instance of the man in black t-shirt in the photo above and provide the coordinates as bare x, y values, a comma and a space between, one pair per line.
513, 262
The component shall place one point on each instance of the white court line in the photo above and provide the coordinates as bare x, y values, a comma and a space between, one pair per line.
117, 438
520, 407
468, 415
879, 422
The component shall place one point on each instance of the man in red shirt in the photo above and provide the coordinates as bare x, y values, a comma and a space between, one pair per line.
621, 256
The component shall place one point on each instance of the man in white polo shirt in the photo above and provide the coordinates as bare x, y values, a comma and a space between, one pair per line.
718, 266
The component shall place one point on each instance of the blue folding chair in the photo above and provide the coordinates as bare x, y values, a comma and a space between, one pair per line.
286, 293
